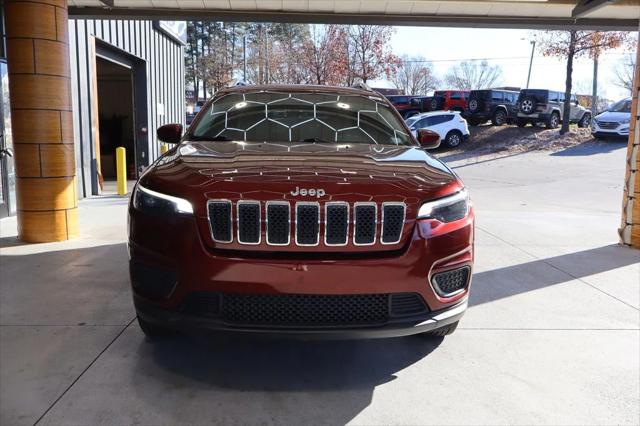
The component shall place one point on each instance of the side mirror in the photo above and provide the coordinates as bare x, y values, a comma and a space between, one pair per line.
428, 139
170, 133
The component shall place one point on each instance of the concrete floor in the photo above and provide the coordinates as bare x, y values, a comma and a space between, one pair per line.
551, 337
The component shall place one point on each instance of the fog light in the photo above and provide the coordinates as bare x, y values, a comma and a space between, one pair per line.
451, 282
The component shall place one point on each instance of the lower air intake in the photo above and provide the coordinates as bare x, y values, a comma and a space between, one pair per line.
451, 282
305, 309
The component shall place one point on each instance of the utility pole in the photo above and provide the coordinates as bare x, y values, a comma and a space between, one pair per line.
533, 49
244, 59
266, 56
594, 93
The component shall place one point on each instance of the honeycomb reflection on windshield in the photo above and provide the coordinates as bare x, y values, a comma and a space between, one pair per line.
267, 116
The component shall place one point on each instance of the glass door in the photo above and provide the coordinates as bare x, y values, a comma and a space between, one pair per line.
7, 173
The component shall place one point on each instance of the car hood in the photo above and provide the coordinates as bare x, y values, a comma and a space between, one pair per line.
199, 171
613, 116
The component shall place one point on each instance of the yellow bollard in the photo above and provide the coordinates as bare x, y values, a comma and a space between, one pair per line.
121, 170
163, 148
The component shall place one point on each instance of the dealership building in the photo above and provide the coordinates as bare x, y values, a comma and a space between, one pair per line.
114, 83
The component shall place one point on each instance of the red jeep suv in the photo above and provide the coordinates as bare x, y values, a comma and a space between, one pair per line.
450, 100
302, 210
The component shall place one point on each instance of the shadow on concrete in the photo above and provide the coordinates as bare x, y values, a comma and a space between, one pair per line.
591, 148
88, 285
288, 381
499, 283
13, 241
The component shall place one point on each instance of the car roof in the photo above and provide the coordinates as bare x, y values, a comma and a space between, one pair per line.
304, 88
434, 113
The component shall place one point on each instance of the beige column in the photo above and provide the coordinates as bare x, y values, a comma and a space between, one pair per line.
630, 226
41, 118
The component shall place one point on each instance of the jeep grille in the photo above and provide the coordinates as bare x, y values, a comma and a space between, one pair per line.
333, 223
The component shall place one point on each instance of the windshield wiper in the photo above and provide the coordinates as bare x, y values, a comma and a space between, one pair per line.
315, 140
209, 139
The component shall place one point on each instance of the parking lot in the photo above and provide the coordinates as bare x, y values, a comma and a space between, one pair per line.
551, 337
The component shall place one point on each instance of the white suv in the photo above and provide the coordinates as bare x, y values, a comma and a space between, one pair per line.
450, 125
614, 121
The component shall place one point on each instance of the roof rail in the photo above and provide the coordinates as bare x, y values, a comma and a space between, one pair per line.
362, 86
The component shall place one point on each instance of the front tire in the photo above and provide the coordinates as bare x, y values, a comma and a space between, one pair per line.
553, 121
453, 138
153, 331
584, 121
444, 331
499, 118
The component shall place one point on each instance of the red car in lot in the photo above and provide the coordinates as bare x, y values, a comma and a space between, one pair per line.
303, 210
408, 106
450, 100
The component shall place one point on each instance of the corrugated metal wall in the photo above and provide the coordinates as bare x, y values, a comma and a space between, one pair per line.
165, 82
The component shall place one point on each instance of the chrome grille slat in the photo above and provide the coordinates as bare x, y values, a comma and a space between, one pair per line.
339, 222
220, 220
307, 224
393, 216
248, 226
278, 223
336, 223
365, 223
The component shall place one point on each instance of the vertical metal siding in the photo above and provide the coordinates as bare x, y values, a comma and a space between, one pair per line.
165, 70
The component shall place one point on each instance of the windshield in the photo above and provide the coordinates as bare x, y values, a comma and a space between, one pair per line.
412, 120
621, 106
271, 116
480, 94
399, 100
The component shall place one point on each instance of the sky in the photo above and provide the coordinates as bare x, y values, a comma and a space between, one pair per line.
511, 50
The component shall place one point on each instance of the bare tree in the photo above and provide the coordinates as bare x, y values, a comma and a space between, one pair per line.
414, 76
324, 55
470, 75
369, 52
623, 72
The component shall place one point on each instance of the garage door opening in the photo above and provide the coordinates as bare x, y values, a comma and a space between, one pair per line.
116, 119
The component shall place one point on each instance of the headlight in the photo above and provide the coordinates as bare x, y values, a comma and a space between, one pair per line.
447, 209
625, 121
159, 204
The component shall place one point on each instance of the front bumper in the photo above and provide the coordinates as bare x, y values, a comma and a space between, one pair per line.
181, 321
621, 131
172, 259
536, 116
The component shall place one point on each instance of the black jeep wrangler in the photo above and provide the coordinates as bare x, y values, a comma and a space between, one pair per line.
499, 106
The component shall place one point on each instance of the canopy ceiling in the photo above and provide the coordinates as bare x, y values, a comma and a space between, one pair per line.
554, 14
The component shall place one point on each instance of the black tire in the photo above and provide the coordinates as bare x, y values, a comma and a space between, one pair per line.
553, 121
521, 123
453, 139
444, 331
528, 105
154, 331
585, 121
499, 117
